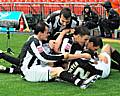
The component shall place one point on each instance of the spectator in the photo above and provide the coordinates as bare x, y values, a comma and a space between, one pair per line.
110, 23
90, 18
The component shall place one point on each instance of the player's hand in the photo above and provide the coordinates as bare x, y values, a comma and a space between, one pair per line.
67, 31
66, 56
86, 55
52, 44
72, 30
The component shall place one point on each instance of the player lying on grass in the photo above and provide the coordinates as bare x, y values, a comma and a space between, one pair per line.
103, 63
99, 61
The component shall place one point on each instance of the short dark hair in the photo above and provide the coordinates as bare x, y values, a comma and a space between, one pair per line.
107, 5
87, 7
66, 12
81, 30
39, 27
97, 41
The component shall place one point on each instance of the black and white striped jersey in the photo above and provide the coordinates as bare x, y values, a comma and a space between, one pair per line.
53, 21
35, 53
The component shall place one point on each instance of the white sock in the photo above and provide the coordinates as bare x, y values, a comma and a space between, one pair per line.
11, 70
76, 81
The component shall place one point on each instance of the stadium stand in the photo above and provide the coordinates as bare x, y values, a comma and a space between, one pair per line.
53, 7
44, 7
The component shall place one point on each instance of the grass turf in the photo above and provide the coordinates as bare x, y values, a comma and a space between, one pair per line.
13, 85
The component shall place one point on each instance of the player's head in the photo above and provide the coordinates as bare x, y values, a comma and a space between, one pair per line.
41, 30
87, 8
65, 16
94, 43
81, 34
107, 5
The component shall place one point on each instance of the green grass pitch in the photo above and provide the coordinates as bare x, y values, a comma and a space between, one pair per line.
13, 85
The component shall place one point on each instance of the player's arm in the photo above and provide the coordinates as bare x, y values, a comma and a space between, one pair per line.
59, 39
42, 55
76, 56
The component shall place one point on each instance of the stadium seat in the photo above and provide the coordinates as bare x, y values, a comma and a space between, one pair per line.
82, 0
14, 1
94, 1
52, 0
101, 0
24, 8
62, 0
4, 0
47, 8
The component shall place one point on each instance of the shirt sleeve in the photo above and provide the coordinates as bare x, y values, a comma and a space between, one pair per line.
66, 45
42, 55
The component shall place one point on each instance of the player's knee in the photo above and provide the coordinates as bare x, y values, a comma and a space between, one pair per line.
106, 47
60, 69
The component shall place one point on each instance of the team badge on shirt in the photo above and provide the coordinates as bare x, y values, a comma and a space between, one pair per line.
68, 46
40, 49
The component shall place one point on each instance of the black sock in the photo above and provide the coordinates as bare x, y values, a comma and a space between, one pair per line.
7, 70
115, 65
88, 67
70, 78
1, 55
16, 70
11, 59
116, 56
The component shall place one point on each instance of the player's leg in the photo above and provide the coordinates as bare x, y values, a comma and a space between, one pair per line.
106, 49
9, 58
114, 65
115, 55
13, 69
66, 76
104, 62
84, 65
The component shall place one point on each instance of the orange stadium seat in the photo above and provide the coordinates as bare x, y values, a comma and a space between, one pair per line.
43, 0
94, 1
51, 0
85, 0
76, 0
98, 9
101, 0
71, 0
4, 0
115, 3
62, 0
47, 8
23, 8
13, 0
51, 8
